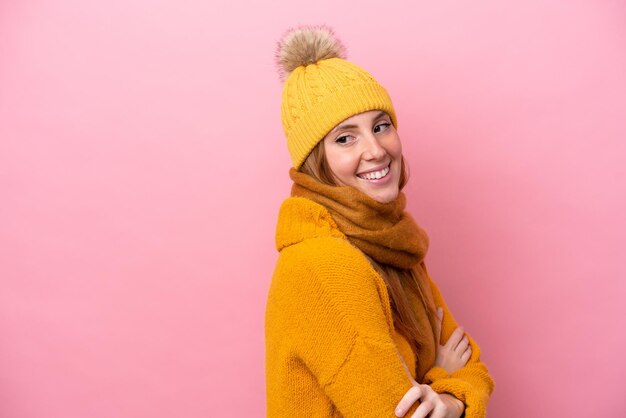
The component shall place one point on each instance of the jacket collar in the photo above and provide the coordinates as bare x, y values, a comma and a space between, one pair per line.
300, 219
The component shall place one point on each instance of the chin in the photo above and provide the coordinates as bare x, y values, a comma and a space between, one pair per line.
385, 197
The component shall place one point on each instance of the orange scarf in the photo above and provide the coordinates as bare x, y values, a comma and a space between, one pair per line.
383, 231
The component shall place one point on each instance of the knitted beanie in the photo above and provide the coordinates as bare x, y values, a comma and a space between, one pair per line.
321, 88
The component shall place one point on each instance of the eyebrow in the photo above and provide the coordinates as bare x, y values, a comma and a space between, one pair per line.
381, 114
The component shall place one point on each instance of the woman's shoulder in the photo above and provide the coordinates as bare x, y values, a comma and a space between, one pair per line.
301, 219
316, 257
330, 266
325, 256
327, 276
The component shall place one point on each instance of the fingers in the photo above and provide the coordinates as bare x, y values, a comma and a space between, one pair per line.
455, 338
424, 409
438, 321
462, 345
408, 400
440, 314
439, 411
431, 406
466, 355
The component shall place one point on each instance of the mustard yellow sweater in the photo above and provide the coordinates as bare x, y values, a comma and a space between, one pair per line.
331, 348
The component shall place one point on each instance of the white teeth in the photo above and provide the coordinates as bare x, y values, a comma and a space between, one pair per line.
376, 174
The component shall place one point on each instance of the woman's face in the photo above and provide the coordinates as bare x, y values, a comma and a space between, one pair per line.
364, 151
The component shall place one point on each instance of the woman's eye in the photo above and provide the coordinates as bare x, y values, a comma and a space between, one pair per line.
342, 139
386, 125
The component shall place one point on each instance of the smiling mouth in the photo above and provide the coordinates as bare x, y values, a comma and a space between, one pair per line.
375, 175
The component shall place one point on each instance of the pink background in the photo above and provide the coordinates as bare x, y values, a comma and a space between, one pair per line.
142, 165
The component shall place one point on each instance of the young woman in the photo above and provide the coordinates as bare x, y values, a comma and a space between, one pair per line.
355, 326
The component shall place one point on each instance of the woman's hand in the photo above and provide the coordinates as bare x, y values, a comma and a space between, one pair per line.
455, 353
432, 404
437, 405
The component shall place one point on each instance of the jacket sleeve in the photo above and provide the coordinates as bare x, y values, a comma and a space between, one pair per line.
472, 384
344, 329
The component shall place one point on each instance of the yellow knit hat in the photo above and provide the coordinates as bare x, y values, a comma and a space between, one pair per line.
321, 88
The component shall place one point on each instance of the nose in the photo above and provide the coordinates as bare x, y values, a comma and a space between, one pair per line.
373, 150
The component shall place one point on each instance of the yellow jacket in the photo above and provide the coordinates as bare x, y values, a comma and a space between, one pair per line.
331, 348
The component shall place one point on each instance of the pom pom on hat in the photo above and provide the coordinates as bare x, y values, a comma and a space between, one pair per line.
321, 88
306, 45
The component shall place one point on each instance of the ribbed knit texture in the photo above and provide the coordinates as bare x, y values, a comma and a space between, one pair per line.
319, 96
331, 348
384, 231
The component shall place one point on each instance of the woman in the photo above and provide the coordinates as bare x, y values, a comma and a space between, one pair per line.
355, 326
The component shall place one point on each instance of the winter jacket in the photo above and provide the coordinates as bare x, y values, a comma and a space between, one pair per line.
331, 346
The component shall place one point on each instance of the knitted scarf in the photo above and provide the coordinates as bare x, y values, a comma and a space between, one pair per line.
383, 231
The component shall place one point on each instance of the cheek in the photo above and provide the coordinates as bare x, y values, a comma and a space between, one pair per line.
395, 147
343, 164
347, 165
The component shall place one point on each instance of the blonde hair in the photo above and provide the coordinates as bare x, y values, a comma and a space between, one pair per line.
398, 282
